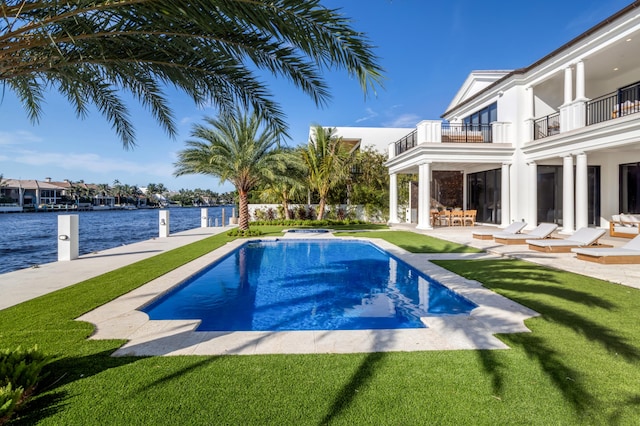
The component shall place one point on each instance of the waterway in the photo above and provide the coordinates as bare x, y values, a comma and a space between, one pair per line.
28, 239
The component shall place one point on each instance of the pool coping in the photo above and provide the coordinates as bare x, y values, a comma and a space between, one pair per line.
495, 314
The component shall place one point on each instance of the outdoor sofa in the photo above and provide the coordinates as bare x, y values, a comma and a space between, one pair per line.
624, 225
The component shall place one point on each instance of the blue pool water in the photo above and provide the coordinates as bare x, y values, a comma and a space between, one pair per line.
308, 285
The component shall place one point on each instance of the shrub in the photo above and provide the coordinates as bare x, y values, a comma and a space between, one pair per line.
271, 214
9, 398
20, 371
258, 214
22, 368
301, 212
251, 232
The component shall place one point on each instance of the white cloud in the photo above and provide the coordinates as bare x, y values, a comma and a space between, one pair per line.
405, 120
370, 115
187, 120
18, 137
91, 162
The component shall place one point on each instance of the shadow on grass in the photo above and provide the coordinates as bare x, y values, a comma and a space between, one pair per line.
49, 400
566, 379
361, 377
563, 299
494, 368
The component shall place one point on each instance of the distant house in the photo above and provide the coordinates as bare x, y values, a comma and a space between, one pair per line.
33, 194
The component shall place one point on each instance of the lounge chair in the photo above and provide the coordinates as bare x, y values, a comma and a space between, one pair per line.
513, 228
540, 232
628, 253
583, 237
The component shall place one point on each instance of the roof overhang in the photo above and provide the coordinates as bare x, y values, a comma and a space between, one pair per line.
450, 156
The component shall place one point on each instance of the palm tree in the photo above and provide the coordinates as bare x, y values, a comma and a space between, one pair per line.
117, 190
236, 148
213, 51
326, 160
286, 185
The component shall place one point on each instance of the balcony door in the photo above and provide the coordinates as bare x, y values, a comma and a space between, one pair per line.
484, 195
550, 194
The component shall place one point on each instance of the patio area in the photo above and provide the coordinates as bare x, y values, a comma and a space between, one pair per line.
628, 274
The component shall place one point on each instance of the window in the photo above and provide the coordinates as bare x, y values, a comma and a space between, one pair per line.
630, 188
485, 116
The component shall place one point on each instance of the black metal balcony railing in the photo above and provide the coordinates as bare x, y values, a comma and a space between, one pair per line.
546, 126
466, 133
620, 103
407, 142
451, 133
624, 101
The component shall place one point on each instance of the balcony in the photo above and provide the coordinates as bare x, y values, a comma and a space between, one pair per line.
449, 133
623, 102
546, 126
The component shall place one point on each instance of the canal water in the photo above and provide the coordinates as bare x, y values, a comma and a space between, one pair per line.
28, 239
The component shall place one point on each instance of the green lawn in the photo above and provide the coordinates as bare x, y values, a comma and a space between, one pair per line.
580, 365
415, 243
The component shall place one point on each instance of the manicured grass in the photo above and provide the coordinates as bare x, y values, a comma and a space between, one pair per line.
415, 243
580, 365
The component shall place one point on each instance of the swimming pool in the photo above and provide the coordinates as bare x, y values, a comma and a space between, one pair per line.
308, 285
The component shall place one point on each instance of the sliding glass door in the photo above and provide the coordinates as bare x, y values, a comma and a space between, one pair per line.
484, 195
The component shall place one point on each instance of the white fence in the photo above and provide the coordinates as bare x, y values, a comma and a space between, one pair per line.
275, 212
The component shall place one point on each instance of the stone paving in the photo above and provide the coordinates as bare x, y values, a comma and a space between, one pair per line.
626, 274
120, 319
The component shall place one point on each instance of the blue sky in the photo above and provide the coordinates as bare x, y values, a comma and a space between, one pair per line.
426, 48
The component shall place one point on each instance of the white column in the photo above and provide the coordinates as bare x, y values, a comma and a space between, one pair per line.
68, 237
424, 196
393, 198
582, 191
164, 223
580, 83
532, 222
566, 110
568, 211
579, 109
529, 113
568, 86
505, 195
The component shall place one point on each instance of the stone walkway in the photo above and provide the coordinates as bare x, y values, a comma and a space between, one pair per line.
628, 275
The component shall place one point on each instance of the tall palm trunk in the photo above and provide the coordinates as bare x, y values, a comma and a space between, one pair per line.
285, 206
243, 223
321, 207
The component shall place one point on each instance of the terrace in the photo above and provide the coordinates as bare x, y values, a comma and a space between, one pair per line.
623, 102
449, 133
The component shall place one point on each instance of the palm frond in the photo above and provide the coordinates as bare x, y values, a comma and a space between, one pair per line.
212, 50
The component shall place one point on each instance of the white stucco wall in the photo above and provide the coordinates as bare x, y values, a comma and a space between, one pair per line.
377, 137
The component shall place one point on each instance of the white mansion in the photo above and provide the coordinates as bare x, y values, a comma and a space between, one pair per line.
557, 141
